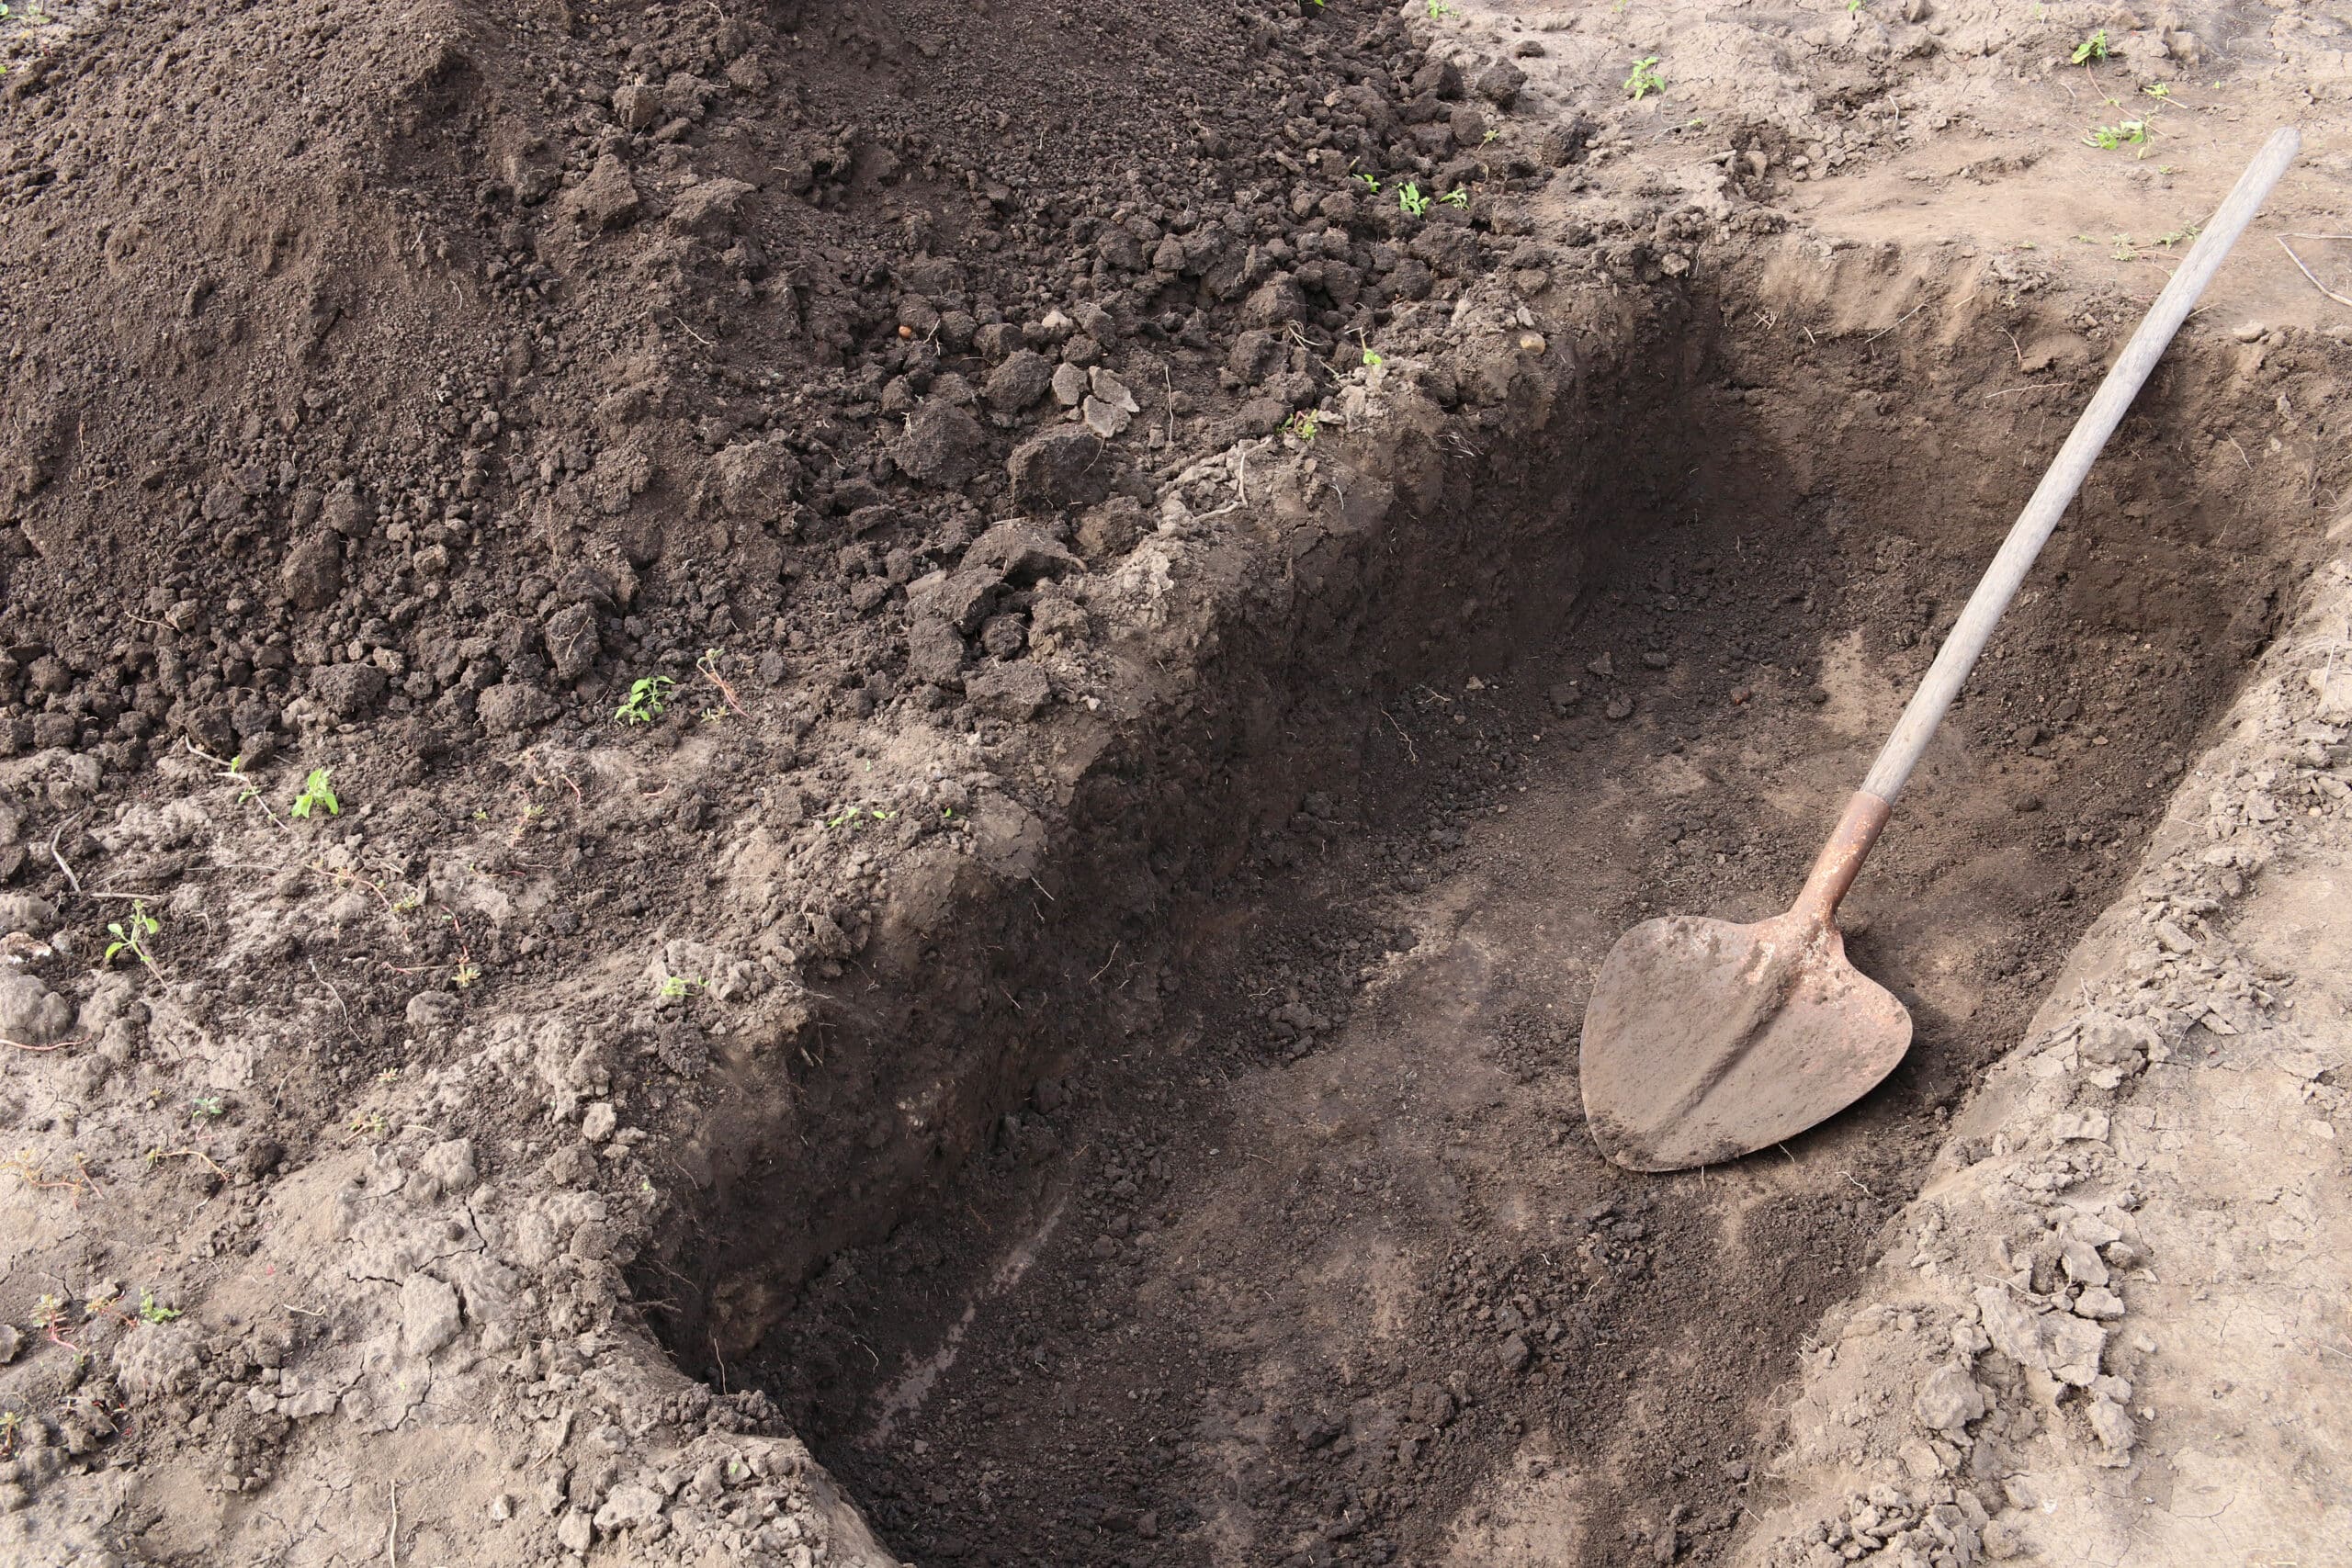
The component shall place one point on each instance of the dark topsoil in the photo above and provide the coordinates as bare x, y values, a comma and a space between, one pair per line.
398, 391
1307, 1273
392, 391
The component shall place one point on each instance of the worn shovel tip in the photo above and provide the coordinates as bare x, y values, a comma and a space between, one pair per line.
1705, 1040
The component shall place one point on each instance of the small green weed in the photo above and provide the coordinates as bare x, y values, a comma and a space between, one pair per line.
130, 935
467, 973
1370, 184
1644, 79
152, 1311
208, 1108
1304, 424
675, 985
1411, 200
1440, 9
1457, 196
2092, 48
317, 795
2123, 133
2158, 90
648, 699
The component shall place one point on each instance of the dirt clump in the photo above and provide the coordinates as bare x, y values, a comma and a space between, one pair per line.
530, 476
903, 729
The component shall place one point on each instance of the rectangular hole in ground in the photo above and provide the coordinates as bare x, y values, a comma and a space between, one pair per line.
1322, 1267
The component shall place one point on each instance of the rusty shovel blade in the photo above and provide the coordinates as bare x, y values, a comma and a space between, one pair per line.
1705, 1040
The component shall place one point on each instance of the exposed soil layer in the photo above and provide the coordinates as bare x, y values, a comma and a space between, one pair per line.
915, 722
1295, 1275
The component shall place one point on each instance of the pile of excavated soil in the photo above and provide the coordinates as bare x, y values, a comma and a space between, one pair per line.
907, 729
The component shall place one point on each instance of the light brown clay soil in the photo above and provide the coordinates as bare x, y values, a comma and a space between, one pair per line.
1056, 1045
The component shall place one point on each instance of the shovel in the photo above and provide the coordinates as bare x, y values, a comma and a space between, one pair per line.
1705, 1040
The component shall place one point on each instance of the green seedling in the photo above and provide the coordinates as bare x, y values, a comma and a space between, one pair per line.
130, 935
2158, 90
2123, 133
152, 1311
1374, 360
368, 1125
1644, 79
1304, 424
857, 813
1439, 8
317, 795
1370, 184
1492, 135
1457, 196
467, 973
675, 985
9, 1421
1411, 200
647, 698
2092, 48
207, 1108
1853, 8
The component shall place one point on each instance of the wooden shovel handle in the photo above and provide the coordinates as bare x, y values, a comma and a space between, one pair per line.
1866, 813
2108, 405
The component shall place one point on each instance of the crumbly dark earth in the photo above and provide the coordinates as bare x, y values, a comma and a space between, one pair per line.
911, 727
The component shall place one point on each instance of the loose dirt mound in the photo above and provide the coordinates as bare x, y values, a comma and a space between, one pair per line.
913, 723
413, 395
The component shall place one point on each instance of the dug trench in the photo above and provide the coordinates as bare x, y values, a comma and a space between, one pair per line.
1260, 1224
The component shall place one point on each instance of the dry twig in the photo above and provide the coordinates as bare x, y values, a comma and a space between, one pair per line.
2307, 272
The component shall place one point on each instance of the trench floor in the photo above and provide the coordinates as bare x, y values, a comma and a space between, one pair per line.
1327, 1270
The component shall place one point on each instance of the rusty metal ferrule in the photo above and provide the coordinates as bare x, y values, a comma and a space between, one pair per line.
1841, 858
